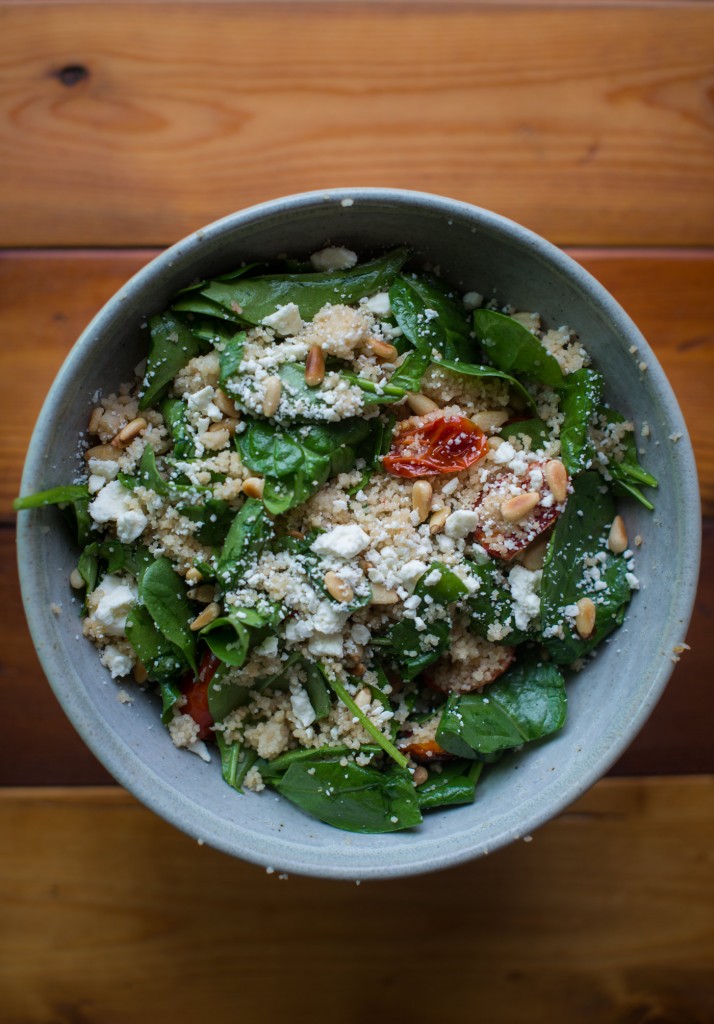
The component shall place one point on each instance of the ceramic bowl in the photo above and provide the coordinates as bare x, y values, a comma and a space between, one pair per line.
608, 701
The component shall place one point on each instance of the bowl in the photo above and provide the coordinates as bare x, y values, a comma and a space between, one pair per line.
608, 701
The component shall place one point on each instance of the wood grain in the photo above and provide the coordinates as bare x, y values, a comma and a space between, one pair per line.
111, 916
590, 123
51, 296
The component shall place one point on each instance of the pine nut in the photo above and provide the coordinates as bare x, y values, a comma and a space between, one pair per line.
95, 420
193, 575
76, 581
585, 619
494, 442
272, 389
534, 556
225, 403
358, 670
421, 498
490, 419
380, 595
363, 698
383, 350
314, 367
337, 588
420, 775
617, 539
230, 424
437, 521
297, 534
140, 673
127, 434
205, 593
103, 452
209, 613
556, 476
519, 506
420, 404
253, 487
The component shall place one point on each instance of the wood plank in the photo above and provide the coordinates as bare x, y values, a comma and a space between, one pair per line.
590, 123
113, 916
40, 747
668, 295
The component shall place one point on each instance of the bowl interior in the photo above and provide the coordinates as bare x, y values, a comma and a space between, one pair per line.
608, 701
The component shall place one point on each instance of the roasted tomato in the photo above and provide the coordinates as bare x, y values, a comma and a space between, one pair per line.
196, 693
446, 444
426, 752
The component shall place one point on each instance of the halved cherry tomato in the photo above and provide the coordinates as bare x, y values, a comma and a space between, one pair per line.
196, 693
448, 444
426, 751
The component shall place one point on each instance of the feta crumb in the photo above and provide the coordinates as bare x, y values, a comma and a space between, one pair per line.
379, 304
115, 503
334, 257
300, 703
342, 542
461, 523
472, 300
117, 661
285, 321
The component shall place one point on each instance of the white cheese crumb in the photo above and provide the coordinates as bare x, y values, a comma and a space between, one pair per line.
379, 304
461, 523
525, 587
115, 503
472, 300
118, 663
334, 257
302, 708
286, 320
342, 542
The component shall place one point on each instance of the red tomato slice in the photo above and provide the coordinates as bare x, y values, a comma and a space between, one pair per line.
196, 693
448, 444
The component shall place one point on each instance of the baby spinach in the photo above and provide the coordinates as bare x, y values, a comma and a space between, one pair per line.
295, 464
527, 703
230, 636
214, 516
316, 686
175, 417
163, 595
454, 784
407, 377
161, 658
579, 536
236, 762
534, 428
511, 347
248, 535
258, 297
170, 693
430, 317
172, 345
581, 397
230, 358
351, 797
627, 473
73, 501
225, 696
492, 605
148, 475
379, 738
473, 370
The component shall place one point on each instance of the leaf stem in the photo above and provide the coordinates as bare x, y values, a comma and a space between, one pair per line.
378, 737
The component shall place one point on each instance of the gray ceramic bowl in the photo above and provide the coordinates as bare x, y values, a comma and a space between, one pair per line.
609, 701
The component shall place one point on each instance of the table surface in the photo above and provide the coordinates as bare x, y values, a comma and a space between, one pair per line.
123, 126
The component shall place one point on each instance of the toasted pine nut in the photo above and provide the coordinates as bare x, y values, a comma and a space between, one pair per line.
209, 613
95, 419
535, 555
314, 367
420, 404
205, 593
140, 673
494, 442
639, 541
490, 419
231, 424
437, 521
383, 350
585, 619
420, 775
364, 697
193, 575
617, 539
297, 534
421, 498
103, 452
380, 595
76, 581
519, 506
272, 389
225, 403
127, 434
556, 476
253, 487
337, 588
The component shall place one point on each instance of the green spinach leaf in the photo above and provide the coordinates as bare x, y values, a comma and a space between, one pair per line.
250, 531
511, 347
534, 428
492, 605
163, 595
455, 784
73, 501
173, 344
230, 358
627, 473
174, 412
473, 370
236, 762
581, 397
430, 317
162, 659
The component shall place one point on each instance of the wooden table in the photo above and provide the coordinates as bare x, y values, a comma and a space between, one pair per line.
123, 126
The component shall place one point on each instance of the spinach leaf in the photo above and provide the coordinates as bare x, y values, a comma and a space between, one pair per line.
250, 531
407, 377
492, 605
163, 594
455, 784
172, 345
236, 762
148, 475
350, 797
162, 659
534, 428
174, 412
379, 738
223, 696
526, 703
73, 501
198, 304
579, 538
511, 347
112, 554
230, 358
229, 636
258, 297
296, 465
628, 472
272, 770
430, 317
411, 649
215, 517
317, 690
582, 395
473, 370
170, 693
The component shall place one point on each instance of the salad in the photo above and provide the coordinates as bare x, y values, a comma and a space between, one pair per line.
354, 529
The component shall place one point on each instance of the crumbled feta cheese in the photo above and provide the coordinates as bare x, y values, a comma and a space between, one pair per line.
268, 647
300, 703
116, 597
342, 542
472, 300
328, 645
201, 402
118, 662
525, 591
360, 634
115, 503
286, 320
379, 304
334, 257
461, 523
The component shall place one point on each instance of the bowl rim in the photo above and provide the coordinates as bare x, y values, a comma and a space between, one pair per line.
276, 851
